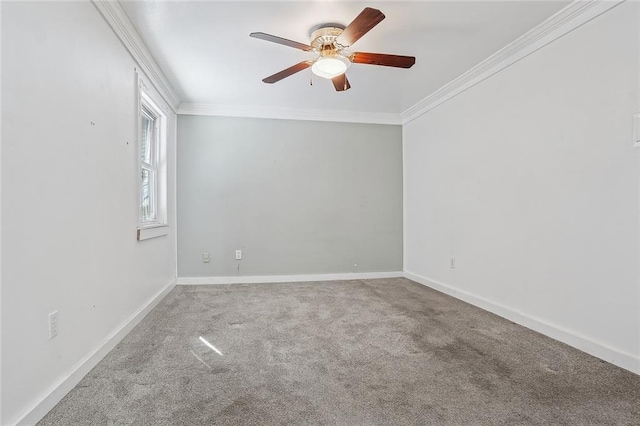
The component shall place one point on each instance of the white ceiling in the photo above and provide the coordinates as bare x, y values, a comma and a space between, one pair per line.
204, 48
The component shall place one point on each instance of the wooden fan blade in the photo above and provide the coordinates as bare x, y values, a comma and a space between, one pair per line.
341, 83
367, 19
280, 40
383, 59
287, 72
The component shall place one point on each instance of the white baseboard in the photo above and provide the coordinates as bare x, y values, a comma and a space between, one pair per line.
261, 279
56, 392
598, 349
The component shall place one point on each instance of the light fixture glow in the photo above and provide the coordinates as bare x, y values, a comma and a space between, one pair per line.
213, 348
330, 66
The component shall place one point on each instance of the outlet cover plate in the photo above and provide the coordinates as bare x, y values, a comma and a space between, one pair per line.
53, 324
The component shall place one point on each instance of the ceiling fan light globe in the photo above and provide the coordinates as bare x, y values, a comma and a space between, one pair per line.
330, 67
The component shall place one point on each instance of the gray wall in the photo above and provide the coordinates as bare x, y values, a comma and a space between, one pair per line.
298, 197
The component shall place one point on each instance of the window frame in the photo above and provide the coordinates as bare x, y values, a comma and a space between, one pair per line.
151, 167
157, 166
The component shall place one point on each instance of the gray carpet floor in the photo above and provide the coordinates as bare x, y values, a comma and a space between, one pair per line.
383, 352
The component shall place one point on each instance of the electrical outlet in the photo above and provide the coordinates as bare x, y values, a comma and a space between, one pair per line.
53, 324
205, 258
453, 263
238, 254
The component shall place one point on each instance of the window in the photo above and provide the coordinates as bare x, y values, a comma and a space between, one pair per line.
149, 128
152, 166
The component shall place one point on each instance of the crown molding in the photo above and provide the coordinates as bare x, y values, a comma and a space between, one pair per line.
289, 113
566, 20
112, 12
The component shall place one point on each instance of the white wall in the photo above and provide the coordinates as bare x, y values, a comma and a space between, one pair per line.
298, 197
530, 180
69, 196
0, 215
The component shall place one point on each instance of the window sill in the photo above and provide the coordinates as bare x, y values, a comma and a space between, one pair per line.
148, 232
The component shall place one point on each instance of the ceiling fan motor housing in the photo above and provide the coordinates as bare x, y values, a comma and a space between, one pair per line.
330, 63
325, 36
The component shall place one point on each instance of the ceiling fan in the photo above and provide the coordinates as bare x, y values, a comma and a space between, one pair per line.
330, 42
